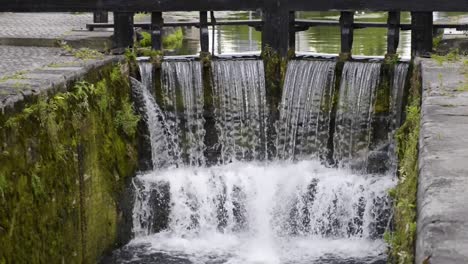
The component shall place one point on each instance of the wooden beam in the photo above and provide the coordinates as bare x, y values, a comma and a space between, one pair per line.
275, 34
157, 23
422, 33
393, 34
347, 32
123, 30
220, 5
100, 17
204, 33
292, 31
380, 5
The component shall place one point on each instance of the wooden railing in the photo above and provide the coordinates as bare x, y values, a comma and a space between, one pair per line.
278, 24
346, 22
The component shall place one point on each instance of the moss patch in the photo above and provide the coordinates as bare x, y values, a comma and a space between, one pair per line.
275, 72
64, 161
170, 42
402, 239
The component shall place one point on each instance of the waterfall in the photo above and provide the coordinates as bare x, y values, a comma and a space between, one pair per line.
163, 149
241, 111
303, 128
182, 100
355, 108
398, 85
251, 208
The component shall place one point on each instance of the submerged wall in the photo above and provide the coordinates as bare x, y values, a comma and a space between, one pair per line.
65, 161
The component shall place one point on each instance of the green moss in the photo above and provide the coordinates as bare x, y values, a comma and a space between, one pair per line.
402, 238
146, 41
382, 101
170, 42
392, 59
436, 41
174, 41
64, 160
132, 63
82, 53
126, 120
275, 72
17, 76
452, 56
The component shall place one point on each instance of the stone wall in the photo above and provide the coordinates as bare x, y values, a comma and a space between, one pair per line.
66, 157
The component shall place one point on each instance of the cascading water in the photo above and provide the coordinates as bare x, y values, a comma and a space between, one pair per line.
290, 209
352, 137
398, 84
240, 109
182, 100
164, 149
305, 109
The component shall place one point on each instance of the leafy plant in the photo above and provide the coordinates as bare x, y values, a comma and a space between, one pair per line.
127, 120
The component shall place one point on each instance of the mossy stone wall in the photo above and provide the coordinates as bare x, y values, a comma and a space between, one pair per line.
402, 237
65, 160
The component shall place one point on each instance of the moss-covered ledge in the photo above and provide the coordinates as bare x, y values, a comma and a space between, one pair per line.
402, 237
65, 161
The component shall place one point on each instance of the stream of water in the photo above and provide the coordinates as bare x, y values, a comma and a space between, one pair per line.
246, 206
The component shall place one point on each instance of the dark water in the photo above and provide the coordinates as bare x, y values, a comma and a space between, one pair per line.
141, 254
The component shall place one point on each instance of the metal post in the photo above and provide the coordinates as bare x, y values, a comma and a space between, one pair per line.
204, 33
421, 34
393, 34
157, 23
347, 33
123, 30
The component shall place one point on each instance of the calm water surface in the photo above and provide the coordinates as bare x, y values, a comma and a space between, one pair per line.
240, 39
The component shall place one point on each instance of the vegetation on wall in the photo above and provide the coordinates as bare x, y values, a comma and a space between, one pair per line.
402, 238
64, 161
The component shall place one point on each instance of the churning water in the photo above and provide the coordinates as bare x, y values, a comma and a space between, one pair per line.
248, 207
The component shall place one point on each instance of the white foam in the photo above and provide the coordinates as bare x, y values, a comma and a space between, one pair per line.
270, 192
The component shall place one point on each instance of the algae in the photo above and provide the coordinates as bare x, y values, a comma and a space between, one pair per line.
65, 159
403, 236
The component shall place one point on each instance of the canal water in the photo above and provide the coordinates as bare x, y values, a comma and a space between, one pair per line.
240, 39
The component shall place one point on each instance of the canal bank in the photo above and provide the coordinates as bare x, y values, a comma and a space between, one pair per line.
442, 233
68, 134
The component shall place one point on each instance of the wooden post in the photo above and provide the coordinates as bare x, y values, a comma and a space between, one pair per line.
421, 33
393, 34
292, 30
157, 23
204, 33
123, 30
100, 17
347, 34
276, 27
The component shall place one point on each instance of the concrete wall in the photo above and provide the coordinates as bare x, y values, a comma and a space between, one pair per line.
442, 235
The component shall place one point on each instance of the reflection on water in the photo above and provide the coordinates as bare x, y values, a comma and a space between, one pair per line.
239, 39
369, 41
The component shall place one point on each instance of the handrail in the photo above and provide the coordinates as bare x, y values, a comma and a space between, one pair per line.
299, 23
